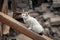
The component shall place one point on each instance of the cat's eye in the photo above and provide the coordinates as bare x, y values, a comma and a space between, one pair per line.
23, 15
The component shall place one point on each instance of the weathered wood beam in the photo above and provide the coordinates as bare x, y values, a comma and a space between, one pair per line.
5, 10
19, 27
13, 7
55, 20
5, 6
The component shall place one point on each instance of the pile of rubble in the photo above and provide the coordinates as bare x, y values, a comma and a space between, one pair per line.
49, 19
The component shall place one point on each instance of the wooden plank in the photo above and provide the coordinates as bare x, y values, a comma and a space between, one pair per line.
22, 37
56, 1
13, 7
5, 10
5, 6
19, 27
55, 20
47, 38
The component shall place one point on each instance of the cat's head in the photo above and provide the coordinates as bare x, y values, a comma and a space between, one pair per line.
24, 14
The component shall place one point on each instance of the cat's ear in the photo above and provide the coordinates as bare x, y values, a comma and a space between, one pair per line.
30, 11
23, 11
27, 13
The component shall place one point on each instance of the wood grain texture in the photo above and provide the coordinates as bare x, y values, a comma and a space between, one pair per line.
5, 6
5, 10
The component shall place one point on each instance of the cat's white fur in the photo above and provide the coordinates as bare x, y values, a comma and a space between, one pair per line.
32, 23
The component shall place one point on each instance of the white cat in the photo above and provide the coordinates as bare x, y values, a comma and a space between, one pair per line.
32, 23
